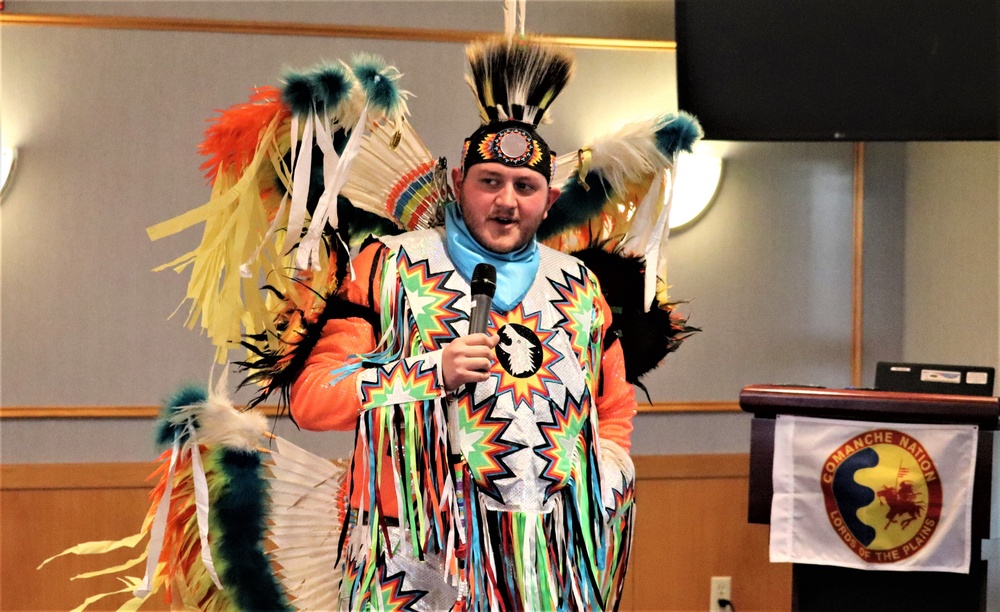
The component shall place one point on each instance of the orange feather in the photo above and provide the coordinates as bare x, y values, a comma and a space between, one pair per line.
234, 135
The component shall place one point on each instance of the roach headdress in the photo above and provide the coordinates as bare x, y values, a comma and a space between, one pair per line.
514, 81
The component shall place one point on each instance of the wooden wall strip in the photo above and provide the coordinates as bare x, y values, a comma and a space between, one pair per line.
857, 264
218, 26
656, 407
151, 412
95, 412
79, 412
36, 476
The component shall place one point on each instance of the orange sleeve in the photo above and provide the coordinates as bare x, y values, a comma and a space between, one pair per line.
616, 402
317, 402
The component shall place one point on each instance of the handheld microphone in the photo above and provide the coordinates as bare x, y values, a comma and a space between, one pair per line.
484, 286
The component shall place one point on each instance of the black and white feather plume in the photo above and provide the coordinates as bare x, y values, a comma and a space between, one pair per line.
517, 79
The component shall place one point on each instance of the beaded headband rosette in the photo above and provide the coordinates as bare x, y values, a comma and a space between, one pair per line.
514, 81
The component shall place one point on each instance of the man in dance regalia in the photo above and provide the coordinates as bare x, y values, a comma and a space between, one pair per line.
475, 476
491, 467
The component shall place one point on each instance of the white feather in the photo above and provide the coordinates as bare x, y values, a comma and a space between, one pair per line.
305, 524
629, 155
219, 423
566, 166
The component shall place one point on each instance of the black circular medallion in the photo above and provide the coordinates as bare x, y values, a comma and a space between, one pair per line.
519, 351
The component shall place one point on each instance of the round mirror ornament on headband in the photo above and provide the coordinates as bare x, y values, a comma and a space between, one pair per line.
513, 146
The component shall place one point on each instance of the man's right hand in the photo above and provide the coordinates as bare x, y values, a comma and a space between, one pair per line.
467, 359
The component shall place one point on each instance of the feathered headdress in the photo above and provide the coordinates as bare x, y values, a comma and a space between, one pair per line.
514, 81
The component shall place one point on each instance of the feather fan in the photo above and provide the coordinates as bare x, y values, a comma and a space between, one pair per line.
307, 502
396, 177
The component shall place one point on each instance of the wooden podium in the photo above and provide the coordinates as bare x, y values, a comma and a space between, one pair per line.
820, 588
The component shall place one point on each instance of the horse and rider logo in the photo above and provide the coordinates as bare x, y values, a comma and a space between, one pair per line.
902, 502
883, 495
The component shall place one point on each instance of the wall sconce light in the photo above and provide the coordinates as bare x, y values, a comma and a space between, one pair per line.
696, 183
8, 161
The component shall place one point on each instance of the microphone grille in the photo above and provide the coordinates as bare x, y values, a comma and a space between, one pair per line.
484, 280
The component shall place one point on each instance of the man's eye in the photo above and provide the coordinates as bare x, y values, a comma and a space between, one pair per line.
527, 187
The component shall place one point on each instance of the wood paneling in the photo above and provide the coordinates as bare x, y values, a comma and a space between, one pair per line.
75, 476
40, 522
691, 525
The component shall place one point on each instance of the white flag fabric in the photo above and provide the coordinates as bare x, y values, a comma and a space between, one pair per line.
872, 496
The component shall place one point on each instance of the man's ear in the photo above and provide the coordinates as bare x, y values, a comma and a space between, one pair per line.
554, 194
456, 181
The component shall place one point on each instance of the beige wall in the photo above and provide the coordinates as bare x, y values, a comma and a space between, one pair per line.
952, 195
108, 122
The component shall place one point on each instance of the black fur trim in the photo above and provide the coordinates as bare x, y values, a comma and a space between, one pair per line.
276, 370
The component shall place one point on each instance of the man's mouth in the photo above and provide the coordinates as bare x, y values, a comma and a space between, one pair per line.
503, 220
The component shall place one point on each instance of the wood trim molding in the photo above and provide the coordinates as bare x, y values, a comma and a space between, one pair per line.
679, 407
858, 264
151, 412
52, 476
220, 26
35, 476
79, 412
95, 412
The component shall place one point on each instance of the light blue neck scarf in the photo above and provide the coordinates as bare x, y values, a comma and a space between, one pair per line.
515, 270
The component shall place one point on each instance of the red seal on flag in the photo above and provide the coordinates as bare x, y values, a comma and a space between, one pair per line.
883, 495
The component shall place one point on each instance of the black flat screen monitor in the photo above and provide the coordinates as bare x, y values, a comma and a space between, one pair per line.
853, 70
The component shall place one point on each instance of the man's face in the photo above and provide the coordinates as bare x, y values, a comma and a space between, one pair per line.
503, 206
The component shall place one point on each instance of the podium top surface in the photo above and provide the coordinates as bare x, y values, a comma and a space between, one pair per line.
767, 401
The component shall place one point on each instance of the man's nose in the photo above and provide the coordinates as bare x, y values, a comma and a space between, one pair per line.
505, 196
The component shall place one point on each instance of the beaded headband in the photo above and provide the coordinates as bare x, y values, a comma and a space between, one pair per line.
510, 143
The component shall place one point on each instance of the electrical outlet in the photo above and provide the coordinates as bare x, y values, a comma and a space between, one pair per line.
720, 589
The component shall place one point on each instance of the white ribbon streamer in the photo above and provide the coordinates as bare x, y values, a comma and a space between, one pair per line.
670, 176
644, 243
306, 257
334, 175
159, 526
301, 171
201, 505
529, 560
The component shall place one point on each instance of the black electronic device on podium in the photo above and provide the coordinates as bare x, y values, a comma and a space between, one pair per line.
819, 587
